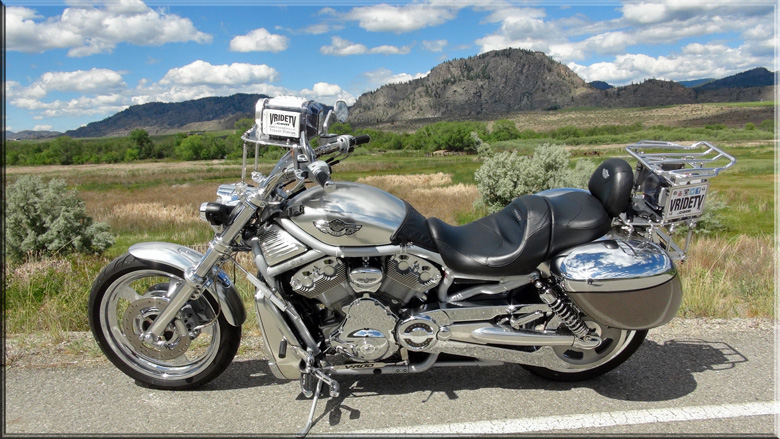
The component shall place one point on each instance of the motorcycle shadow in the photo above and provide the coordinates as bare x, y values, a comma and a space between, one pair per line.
656, 372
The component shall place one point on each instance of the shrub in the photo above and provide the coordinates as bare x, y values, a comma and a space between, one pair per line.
48, 219
505, 176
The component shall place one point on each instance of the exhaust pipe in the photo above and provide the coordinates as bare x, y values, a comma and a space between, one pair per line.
486, 333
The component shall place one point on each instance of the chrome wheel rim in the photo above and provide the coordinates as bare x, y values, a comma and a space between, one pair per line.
129, 304
614, 341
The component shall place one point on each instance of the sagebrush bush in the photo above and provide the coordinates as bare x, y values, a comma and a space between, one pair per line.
505, 176
48, 219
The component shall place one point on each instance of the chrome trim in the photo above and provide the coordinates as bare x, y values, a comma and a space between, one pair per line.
504, 285
544, 357
184, 258
614, 265
310, 256
356, 252
448, 315
384, 368
278, 246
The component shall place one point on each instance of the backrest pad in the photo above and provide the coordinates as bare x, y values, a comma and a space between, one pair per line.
611, 183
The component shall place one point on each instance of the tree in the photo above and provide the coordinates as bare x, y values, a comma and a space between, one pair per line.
504, 129
190, 148
242, 125
140, 139
48, 219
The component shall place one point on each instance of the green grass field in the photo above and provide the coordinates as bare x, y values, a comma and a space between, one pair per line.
730, 274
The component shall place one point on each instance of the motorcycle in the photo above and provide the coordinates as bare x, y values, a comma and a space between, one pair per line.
352, 280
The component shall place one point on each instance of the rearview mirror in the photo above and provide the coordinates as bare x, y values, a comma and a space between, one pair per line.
341, 110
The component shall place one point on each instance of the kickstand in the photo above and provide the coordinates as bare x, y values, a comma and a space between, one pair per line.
305, 430
333, 387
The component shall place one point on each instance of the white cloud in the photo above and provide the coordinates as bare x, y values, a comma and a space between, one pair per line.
42, 128
343, 47
435, 45
644, 12
320, 28
81, 106
327, 93
12, 89
88, 30
695, 61
400, 19
259, 40
648, 23
382, 76
99, 81
203, 73
82, 81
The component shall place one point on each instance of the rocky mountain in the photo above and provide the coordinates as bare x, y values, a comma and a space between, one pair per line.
491, 83
212, 113
512, 80
30, 135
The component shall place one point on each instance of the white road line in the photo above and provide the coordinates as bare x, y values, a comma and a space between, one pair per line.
591, 420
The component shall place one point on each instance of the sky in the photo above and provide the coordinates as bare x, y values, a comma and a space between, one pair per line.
68, 63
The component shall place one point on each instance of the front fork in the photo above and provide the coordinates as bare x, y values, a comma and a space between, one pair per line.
199, 276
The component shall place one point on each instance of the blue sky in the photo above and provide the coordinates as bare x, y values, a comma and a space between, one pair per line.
72, 62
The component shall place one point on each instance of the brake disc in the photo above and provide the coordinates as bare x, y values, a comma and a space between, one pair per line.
140, 315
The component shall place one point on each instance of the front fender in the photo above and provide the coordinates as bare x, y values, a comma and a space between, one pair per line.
182, 258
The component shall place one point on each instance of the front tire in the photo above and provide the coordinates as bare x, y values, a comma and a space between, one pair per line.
127, 296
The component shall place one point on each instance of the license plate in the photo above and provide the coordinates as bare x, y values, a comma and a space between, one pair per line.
685, 201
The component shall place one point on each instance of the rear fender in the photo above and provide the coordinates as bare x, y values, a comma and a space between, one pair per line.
181, 257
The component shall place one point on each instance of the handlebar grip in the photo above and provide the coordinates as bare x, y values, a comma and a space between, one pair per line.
361, 139
322, 176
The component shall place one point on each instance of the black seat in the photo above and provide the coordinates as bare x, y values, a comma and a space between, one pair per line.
533, 228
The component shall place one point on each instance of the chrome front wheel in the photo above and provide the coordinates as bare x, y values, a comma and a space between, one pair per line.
127, 297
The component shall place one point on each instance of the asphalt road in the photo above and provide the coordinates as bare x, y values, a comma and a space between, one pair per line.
687, 378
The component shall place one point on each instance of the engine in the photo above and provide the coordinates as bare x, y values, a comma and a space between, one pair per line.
366, 294
336, 282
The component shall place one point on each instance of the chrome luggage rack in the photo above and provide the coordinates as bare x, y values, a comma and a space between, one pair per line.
694, 157
670, 187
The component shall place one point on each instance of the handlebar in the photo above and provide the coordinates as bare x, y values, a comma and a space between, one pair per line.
344, 144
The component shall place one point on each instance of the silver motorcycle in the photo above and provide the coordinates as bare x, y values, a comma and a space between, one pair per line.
352, 280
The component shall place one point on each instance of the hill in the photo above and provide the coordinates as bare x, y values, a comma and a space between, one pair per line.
696, 82
205, 114
758, 77
30, 135
494, 82
512, 80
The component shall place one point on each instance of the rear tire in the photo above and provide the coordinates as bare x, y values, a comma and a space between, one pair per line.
584, 364
126, 297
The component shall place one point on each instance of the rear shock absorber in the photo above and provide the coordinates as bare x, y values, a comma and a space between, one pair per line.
568, 315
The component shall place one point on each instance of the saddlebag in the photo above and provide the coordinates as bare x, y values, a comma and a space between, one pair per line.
626, 284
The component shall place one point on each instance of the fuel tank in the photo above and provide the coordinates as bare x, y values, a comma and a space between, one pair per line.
353, 215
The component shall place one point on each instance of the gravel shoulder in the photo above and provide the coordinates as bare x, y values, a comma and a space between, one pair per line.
73, 349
